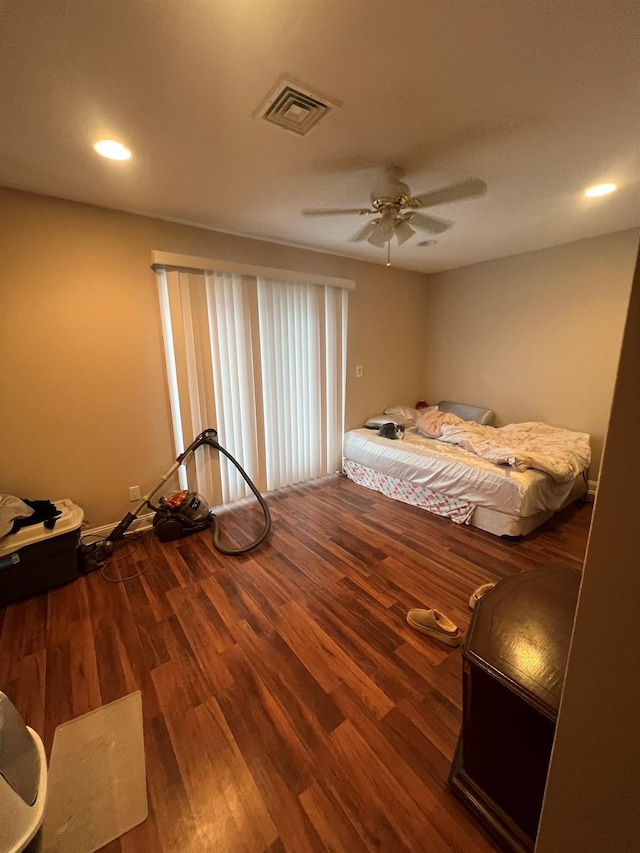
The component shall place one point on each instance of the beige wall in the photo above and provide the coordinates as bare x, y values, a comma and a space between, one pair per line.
535, 336
84, 403
592, 802
85, 408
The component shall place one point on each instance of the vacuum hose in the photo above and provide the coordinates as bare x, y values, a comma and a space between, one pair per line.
265, 510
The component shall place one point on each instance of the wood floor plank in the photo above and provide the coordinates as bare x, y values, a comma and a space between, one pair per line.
253, 821
386, 739
255, 718
144, 836
85, 681
113, 683
326, 660
361, 779
30, 690
64, 609
434, 722
335, 829
310, 709
288, 706
14, 640
199, 748
58, 692
270, 754
105, 600
175, 821
358, 637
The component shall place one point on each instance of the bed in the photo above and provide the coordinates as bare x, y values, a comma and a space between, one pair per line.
451, 481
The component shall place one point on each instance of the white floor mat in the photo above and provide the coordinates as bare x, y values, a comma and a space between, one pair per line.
97, 782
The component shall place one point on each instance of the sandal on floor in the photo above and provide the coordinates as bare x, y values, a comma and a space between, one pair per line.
478, 593
434, 624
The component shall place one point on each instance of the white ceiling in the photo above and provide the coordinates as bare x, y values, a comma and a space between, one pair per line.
539, 98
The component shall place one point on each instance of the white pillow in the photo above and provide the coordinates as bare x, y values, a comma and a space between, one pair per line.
407, 414
376, 421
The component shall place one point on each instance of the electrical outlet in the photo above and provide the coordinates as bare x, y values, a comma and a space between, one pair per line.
358, 371
134, 493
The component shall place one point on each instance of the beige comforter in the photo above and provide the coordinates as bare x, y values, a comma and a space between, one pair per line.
561, 453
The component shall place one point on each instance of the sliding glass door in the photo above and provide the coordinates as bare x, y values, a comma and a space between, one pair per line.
263, 361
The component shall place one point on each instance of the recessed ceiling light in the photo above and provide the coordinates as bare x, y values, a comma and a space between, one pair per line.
600, 189
113, 150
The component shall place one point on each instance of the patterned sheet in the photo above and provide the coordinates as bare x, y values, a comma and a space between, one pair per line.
409, 493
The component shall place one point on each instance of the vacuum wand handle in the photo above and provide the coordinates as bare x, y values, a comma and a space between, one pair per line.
118, 532
207, 436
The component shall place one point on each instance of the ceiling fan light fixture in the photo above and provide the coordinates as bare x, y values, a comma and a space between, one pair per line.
377, 239
403, 231
386, 225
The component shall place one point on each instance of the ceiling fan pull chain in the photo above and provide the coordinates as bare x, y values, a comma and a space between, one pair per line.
388, 264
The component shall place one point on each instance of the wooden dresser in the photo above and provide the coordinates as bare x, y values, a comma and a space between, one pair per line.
514, 658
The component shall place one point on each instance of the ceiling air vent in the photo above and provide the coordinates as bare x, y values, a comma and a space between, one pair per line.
294, 107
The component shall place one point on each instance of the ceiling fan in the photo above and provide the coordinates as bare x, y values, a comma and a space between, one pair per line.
397, 209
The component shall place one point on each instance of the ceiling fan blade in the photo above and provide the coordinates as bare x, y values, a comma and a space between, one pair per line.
471, 188
364, 233
336, 212
432, 224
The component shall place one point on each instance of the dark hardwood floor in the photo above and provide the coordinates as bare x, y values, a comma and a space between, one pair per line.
287, 704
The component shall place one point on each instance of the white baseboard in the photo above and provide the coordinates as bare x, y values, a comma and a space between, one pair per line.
142, 522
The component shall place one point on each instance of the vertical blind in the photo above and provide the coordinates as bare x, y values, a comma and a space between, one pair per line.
263, 361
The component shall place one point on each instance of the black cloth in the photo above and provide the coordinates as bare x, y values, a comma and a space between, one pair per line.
43, 511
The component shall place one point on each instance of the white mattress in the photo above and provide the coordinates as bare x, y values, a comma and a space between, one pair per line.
456, 472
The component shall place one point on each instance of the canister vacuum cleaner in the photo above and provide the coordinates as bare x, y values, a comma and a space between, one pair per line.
178, 514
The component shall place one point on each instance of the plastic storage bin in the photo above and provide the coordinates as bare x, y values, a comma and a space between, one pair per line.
35, 559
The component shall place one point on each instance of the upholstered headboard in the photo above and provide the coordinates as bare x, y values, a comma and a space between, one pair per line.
468, 413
